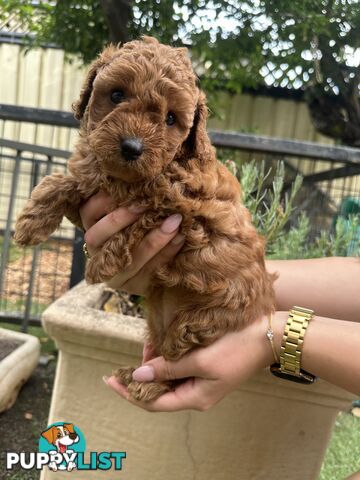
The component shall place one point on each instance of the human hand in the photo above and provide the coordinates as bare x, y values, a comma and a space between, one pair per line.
158, 247
210, 373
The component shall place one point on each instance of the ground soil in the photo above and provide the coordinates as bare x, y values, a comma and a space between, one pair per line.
7, 346
20, 427
52, 275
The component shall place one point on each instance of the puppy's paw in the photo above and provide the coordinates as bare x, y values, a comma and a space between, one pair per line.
53, 466
92, 274
103, 265
148, 391
124, 375
141, 391
71, 466
28, 232
35, 224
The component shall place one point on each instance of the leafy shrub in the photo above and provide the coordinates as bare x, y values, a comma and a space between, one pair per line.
271, 213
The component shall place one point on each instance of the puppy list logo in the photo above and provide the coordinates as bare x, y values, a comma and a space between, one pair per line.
62, 448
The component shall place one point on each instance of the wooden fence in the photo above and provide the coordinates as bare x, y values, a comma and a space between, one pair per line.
42, 78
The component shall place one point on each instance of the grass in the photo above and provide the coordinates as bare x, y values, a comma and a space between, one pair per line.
47, 344
19, 306
14, 252
343, 455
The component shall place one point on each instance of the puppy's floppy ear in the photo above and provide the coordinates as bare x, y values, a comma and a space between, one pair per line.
197, 142
70, 427
105, 58
50, 434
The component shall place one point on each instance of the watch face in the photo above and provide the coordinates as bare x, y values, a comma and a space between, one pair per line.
304, 378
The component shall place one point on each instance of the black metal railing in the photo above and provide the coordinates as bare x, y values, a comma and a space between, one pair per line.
30, 279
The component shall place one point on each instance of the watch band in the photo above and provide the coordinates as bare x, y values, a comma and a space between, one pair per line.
293, 339
291, 347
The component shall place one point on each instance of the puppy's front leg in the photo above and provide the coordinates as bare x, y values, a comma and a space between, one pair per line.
109, 260
54, 197
115, 255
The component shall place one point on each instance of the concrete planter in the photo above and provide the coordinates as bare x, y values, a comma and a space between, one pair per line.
17, 366
268, 429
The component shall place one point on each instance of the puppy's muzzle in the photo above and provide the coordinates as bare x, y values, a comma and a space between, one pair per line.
131, 148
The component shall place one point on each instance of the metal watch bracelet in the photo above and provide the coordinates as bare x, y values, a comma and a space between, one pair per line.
289, 367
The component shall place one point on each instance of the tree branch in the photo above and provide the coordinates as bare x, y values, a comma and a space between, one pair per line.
117, 13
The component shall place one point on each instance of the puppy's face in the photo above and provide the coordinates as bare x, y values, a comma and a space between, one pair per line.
61, 436
141, 109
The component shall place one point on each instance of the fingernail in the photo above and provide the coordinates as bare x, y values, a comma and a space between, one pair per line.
178, 239
136, 208
105, 380
144, 374
171, 223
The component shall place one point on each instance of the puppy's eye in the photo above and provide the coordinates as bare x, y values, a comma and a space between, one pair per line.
170, 119
59, 435
117, 96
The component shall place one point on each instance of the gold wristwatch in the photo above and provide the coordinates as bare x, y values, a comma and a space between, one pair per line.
289, 367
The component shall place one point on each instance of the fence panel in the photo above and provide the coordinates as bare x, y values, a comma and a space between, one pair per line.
31, 278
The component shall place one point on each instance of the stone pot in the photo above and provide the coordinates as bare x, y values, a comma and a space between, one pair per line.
268, 429
17, 366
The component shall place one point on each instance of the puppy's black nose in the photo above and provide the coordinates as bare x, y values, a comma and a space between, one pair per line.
131, 148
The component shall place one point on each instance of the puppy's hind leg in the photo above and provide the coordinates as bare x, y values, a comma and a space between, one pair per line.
197, 328
49, 202
141, 391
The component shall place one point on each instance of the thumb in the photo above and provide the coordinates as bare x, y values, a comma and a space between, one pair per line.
159, 369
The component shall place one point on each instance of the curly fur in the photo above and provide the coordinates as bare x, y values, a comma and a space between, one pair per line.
218, 281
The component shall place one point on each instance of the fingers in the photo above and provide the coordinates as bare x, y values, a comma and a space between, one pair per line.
95, 208
148, 352
200, 391
194, 394
194, 364
107, 226
157, 248
117, 387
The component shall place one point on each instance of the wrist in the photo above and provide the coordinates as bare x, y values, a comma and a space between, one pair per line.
279, 320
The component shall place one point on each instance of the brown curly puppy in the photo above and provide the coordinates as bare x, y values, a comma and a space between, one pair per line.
144, 141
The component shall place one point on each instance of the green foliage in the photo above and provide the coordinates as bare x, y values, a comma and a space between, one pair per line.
295, 244
20, 305
270, 216
46, 343
79, 27
271, 213
232, 39
234, 43
343, 455
15, 252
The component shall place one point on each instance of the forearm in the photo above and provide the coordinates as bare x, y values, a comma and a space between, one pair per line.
330, 286
331, 350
